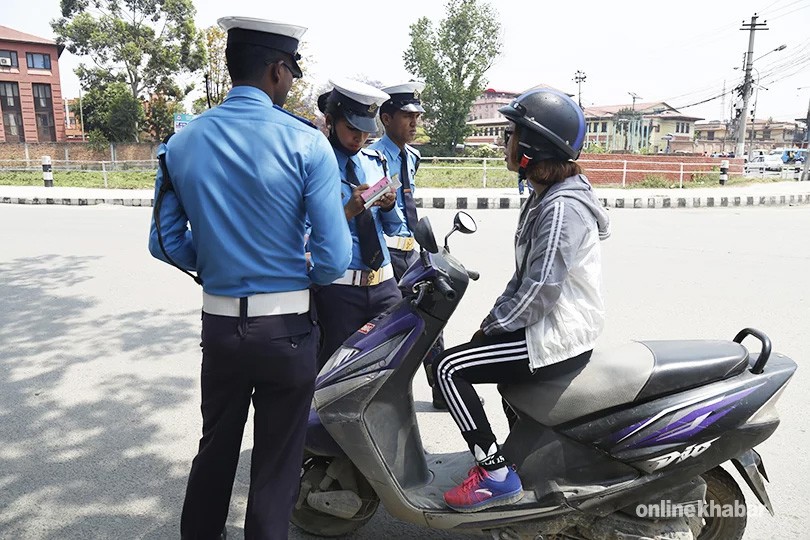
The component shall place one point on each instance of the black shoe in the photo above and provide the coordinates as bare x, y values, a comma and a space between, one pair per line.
438, 400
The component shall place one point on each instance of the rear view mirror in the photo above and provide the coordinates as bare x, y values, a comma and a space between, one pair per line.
424, 235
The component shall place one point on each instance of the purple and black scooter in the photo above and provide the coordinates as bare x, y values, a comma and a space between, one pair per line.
640, 427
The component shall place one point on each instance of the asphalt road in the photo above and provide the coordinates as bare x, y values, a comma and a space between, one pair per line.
99, 356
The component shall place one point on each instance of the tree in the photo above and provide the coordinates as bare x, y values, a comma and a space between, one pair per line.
111, 114
452, 60
160, 116
145, 44
302, 100
216, 69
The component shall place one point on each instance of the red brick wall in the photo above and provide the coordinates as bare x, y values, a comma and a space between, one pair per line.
608, 168
25, 78
77, 151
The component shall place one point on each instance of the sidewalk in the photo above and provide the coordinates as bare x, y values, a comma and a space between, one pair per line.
788, 193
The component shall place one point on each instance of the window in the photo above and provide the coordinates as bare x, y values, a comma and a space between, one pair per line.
43, 108
38, 60
12, 59
604, 127
710, 135
12, 113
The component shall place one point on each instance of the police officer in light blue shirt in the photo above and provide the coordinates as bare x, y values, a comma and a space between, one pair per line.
400, 116
235, 188
368, 288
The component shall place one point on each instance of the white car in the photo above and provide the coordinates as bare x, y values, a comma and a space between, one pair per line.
760, 164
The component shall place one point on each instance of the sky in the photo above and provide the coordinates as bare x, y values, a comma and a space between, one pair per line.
679, 52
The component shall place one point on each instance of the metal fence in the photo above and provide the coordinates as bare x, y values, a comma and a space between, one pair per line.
682, 171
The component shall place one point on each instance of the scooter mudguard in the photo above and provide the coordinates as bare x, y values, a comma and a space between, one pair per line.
749, 464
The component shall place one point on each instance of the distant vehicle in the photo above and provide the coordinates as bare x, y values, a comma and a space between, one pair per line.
789, 156
760, 164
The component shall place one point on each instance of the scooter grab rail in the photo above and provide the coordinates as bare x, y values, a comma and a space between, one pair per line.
764, 354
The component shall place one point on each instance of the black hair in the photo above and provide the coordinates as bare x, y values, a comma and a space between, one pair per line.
388, 108
247, 62
332, 109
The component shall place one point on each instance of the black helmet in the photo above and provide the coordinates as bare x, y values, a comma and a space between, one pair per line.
552, 125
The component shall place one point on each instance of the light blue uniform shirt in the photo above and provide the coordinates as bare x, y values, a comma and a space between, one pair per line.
246, 174
392, 154
369, 169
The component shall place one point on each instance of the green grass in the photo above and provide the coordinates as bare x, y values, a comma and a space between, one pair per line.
430, 176
84, 179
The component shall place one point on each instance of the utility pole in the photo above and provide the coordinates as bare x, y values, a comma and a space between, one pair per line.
579, 77
752, 27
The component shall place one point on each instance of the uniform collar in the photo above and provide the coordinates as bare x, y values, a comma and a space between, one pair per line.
249, 92
390, 145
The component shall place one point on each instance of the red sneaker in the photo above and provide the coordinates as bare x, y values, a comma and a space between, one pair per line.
481, 491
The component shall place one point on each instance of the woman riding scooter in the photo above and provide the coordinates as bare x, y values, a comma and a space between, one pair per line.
552, 310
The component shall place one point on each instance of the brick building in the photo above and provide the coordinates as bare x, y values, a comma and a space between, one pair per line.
31, 108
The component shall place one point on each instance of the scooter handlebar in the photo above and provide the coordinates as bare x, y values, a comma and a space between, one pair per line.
444, 288
473, 275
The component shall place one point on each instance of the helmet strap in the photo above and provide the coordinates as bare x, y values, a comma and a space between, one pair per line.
525, 161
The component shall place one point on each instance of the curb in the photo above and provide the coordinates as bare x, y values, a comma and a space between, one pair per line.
492, 203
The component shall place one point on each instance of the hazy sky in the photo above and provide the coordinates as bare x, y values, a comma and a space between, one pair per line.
679, 52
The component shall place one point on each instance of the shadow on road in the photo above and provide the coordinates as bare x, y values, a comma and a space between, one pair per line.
80, 455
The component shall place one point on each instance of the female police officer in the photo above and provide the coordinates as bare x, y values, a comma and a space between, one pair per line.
368, 287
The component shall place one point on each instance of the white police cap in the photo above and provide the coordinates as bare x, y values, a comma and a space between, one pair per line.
358, 101
405, 96
270, 34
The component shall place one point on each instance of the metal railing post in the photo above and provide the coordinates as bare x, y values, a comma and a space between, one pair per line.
104, 172
485, 172
681, 177
624, 173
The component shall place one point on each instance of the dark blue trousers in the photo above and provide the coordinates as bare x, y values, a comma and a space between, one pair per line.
401, 261
271, 361
342, 309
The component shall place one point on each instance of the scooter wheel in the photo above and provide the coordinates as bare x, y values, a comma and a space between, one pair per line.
723, 490
312, 521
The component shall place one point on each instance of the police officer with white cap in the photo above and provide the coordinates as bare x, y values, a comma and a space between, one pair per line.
368, 288
244, 176
400, 116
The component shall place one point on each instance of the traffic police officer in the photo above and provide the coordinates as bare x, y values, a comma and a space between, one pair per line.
368, 287
244, 176
400, 116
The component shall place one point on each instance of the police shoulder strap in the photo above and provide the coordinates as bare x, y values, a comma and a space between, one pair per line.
166, 186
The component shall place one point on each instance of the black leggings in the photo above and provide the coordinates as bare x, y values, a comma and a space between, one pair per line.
502, 358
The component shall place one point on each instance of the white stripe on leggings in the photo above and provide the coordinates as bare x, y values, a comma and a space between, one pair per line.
488, 354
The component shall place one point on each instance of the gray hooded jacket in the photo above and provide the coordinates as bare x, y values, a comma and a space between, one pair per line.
556, 290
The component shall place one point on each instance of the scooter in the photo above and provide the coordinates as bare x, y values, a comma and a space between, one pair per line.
626, 445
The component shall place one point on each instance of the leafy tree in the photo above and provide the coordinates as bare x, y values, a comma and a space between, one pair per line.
216, 69
143, 43
111, 113
160, 116
452, 60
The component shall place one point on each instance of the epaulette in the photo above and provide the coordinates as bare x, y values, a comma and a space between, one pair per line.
299, 118
370, 152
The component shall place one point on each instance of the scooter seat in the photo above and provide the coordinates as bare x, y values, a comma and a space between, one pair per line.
621, 375
681, 365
